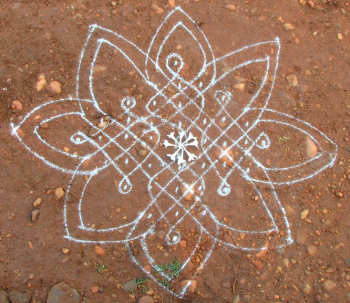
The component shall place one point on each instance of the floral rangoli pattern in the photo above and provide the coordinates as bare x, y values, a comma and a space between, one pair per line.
193, 129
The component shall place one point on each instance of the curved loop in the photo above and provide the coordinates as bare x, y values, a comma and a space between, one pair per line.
44, 132
300, 164
178, 26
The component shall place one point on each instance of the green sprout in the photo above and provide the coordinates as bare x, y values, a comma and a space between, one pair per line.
165, 283
172, 270
100, 268
140, 283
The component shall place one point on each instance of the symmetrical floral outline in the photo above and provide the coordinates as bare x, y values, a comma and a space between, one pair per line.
213, 151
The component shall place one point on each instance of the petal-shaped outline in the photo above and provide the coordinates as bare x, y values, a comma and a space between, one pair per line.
271, 68
181, 293
97, 37
326, 156
73, 109
274, 210
178, 14
271, 65
74, 221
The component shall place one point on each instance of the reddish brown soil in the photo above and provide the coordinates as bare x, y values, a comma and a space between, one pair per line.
45, 37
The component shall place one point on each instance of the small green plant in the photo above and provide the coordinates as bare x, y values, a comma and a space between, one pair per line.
140, 284
100, 268
165, 283
172, 270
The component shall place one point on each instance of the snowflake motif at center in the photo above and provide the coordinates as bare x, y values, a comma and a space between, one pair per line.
181, 143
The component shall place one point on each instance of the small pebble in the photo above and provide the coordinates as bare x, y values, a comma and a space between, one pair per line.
311, 250
65, 251
142, 152
172, 3
35, 215
307, 289
157, 9
340, 36
99, 250
292, 80
239, 86
55, 87
37, 202
17, 105
231, 7
339, 194
99, 68
59, 193
62, 292
41, 83
304, 214
288, 26
311, 148
130, 286
329, 285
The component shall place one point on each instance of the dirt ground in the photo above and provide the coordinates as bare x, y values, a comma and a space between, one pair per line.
41, 42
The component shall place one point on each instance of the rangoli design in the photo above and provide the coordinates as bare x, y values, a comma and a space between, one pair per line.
188, 141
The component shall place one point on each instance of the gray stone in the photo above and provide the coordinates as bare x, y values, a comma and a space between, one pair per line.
63, 293
4, 297
130, 286
19, 297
